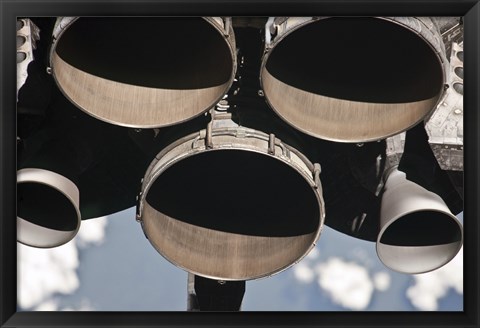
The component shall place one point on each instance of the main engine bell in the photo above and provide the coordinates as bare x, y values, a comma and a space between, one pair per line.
231, 203
143, 72
353, 79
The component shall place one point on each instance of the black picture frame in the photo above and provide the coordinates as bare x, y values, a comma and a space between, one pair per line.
11, 9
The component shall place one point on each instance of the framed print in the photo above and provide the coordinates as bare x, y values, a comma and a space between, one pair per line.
224, 163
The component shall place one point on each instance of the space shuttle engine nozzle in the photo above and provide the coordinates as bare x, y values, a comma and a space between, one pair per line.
240, 205
418, 233
353, 79
143, 72
48, 208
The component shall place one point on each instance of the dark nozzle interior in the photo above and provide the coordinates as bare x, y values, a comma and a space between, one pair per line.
157, 52
358, 59
236, 191
422, 228
45, 206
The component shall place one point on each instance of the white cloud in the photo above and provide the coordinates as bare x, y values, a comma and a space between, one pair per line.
303, 273
347, 283
43, 273
382, 281
430, 287
50, 305
92, 232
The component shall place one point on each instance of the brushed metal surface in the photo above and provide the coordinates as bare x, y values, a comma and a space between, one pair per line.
131, 105
338, 119
218, 254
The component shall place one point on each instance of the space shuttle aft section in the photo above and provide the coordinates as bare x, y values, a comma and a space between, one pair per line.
238, 139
